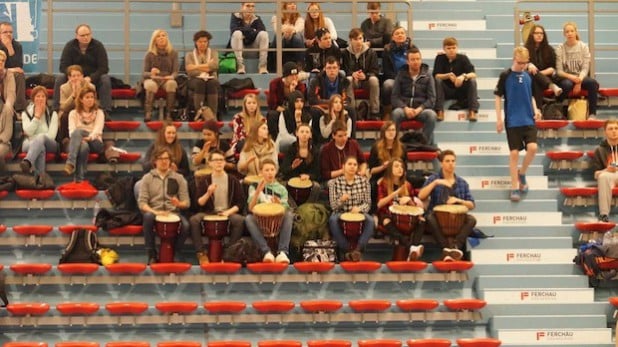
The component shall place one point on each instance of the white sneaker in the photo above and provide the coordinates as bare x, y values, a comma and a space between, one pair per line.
416, 252
282, 258
268, 258
452, 253
448, 258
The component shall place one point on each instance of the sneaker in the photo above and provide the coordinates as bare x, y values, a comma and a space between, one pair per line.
515, 195
268, 258
452, 253
241, 69
416, 252
25, 166
557, 90
282, 258
69, 169
202, 258
604, 218
523, 185
448, 258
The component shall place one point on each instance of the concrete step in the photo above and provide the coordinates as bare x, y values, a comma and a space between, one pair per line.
541, 242
553, 337
492, 170
523, 256
526, 231
541, 309
496, 187
542, 297
523, 269
484, 282
517, 219
548, 321
523, 206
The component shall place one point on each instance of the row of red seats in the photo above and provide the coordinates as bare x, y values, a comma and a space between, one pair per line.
468, 342
235, 307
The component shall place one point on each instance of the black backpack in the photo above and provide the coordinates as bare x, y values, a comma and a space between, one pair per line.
81, 248
243, 251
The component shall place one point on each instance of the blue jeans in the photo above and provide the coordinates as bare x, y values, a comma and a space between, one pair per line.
428, 117
342, 241
79, 151
36, 150
285, 233
148, 224
588, 84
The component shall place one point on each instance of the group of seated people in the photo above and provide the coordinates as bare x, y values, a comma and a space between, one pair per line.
335, 174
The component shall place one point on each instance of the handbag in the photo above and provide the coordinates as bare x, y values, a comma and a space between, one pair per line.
227, 62
578, 109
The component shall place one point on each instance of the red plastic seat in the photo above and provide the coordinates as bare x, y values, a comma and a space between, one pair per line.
579, 191
176, 306
27, 230
125, 308
279, 343
78, 268
448, 266
365, 125
3, 194
310, 267
366, 155
406, 266
77, 308
124, 93
564, 155
551, 124
221, 268
92, 157
273, 306
130, 157
588, 227
32, 194
613, 300
429, 343
479, 342
25, 344
122, 125
267, 267
421, 156
126, 268
170, 268
128, 344
217, 307
379, 343
126, 230
179, 344
239, 94
199, 125
2, 228
329, 343
417, 304
75, 190
361, 93
69, 229
465, 304
49, 156
411, 125
608, 91
31, 269
589, 124
369, 305
28, 308
360, 266
229, 343
609, 265
314, 306
155, 125
77, 344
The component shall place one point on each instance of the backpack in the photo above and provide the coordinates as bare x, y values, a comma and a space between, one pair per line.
243, 251
81, 248
553, 111
227, 62
311, 223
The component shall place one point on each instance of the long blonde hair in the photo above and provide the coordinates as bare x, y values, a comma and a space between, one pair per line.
253, 138
250, 120
152, 47
385, 154
289, 17
341, 116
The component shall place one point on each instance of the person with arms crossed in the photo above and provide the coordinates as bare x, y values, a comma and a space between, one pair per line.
14, 63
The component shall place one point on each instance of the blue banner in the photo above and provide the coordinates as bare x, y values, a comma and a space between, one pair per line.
26, 18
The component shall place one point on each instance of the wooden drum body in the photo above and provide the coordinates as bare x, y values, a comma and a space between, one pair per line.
215, 227
352, 227
451, 218
299, 189
167, 227
405, 217
269, 217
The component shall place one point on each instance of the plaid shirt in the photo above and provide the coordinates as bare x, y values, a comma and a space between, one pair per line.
358, 192
441, 193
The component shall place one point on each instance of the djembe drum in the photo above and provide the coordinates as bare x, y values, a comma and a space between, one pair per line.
299, 189
451, 219
167, 227
269, 217
215, 227
352, 227
203, 172
250, 179
405, 218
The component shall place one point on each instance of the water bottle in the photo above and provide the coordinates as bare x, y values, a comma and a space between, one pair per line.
95, 211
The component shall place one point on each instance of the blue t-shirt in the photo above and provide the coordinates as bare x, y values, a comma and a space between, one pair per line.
516, 88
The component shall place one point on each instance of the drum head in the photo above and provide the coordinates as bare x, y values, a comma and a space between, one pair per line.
249, 179
268, 209
168, 218
456, 209
214, 218
352, 217
406, 210
203, 172
296, 182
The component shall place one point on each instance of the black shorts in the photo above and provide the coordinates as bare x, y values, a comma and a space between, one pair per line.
519, 137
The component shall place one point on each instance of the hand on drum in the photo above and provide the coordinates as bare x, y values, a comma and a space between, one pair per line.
355, 209
405, 200
304, 177
452, 200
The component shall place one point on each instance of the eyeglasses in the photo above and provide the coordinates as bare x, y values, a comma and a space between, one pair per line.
521, 62
163, 158
539, 33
